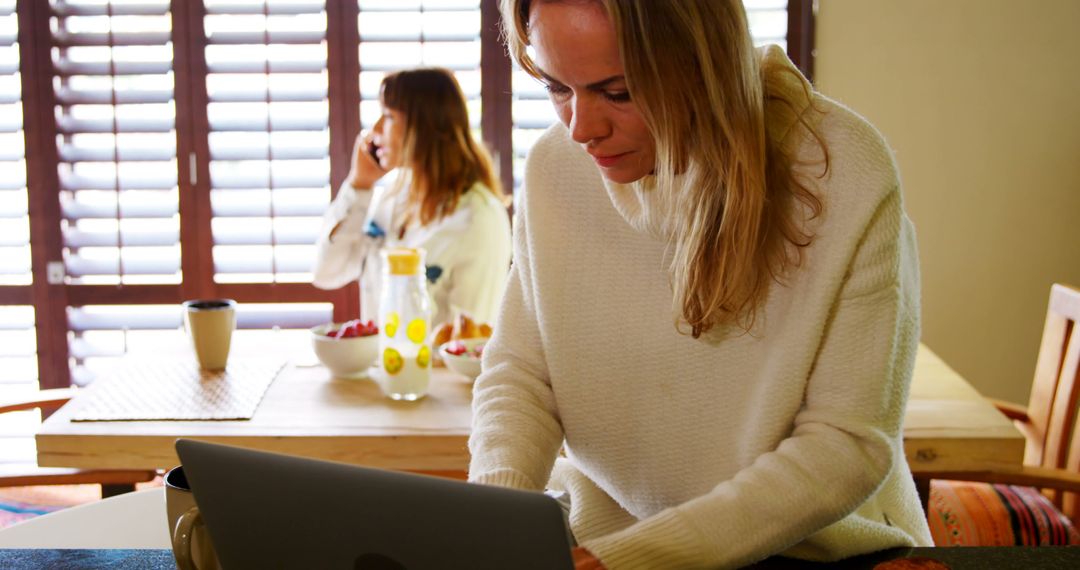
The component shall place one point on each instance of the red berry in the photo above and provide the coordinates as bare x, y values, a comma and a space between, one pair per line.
352, 329
366, 329
456, 347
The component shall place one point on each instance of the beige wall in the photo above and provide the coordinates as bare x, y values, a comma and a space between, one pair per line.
980, 100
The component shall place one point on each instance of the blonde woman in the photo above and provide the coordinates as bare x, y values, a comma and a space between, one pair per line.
445, 199
714, 303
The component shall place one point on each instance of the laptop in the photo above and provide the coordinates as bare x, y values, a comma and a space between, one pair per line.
266, 510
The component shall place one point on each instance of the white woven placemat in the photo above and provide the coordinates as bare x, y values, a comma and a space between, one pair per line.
178, 390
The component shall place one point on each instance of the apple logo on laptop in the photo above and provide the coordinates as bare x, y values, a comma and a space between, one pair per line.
376, 561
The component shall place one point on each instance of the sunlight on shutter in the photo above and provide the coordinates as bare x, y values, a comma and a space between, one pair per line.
18, 370
117, 141
269, 137
400, 34
14, 221
18, 341
768, 21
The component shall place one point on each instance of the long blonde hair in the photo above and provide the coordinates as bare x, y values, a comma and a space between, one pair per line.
441, 155
692, 71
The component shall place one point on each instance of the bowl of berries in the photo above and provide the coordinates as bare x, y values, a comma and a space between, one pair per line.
463, 356
346, 349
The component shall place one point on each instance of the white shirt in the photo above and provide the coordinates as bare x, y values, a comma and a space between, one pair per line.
467, 251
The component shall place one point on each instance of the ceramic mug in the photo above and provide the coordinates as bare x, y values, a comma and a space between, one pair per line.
210, 322
190, 540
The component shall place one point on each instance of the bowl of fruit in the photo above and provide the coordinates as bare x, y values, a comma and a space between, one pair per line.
463, 356
346, 349
463, 327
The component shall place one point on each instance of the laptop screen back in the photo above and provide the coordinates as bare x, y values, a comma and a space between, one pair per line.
265, 510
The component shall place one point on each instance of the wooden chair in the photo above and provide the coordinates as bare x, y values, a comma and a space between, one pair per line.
1051, 458
19, 470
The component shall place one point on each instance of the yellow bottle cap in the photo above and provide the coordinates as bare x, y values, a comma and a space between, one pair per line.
404, 261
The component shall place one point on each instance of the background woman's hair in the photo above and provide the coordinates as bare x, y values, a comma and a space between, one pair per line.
739, 217
439, 151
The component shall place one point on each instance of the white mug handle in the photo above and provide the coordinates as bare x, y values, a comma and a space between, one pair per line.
181, 538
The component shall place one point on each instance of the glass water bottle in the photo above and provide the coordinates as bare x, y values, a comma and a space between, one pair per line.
405, 314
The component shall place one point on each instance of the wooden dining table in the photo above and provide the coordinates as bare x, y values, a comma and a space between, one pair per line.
948, 426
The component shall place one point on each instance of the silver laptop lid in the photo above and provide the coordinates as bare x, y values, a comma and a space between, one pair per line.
266, 510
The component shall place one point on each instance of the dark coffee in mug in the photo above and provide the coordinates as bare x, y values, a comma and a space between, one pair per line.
206, 305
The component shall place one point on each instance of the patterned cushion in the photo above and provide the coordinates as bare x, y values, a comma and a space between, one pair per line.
20, 503
12, 512
981, 514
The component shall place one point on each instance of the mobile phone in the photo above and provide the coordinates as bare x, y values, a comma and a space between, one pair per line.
373, 150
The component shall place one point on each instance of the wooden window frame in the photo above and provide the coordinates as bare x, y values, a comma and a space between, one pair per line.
51, 300
800, 35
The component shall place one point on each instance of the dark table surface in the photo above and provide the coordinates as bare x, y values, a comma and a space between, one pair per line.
1018, 558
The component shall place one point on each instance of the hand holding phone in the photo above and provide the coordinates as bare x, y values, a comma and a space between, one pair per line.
373, 151
366, 168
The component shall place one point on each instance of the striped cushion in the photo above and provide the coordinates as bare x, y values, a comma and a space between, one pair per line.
981, 514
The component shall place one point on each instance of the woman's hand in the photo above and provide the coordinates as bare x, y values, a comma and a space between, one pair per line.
365, 169
584, 560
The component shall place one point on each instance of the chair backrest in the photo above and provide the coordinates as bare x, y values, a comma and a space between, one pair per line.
1052, 409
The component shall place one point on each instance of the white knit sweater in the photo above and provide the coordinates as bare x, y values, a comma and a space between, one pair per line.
716, 452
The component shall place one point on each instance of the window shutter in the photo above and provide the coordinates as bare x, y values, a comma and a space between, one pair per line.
117, 139
18, 347
399, 34
269, 137
14, 221
533, 113
18, 376
768, 21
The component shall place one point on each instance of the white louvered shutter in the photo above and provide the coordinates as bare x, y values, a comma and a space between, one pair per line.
18, 347
18, 377
14, 221
269, 137
533, 113
768, 21
116, 125
400, 34
117, 139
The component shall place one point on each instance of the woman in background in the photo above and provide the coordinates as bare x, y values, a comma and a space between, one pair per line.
445, 199
714, 302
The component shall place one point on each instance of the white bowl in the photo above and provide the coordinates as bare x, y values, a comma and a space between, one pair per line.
465, 364
345, 357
